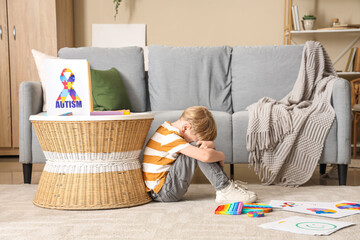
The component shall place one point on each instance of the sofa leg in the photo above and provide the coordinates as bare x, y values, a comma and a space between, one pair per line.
342, 172
27, 171
231, 171
322, 168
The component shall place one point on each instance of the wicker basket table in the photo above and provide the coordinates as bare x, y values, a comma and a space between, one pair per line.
91, 162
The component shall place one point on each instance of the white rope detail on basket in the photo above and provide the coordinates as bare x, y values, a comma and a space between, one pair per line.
100, 157
91, 167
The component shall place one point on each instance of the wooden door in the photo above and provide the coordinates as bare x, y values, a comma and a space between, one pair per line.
32, 25
5, 106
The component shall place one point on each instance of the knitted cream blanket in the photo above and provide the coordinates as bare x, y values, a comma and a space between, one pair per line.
285, 138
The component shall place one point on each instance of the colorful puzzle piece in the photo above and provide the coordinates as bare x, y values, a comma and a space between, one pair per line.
66, 114
255, 214
229, 209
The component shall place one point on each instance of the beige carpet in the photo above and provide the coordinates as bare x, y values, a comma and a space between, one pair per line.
192, 218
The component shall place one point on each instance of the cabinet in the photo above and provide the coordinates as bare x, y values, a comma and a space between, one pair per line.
289, 34
5, 106
44, 25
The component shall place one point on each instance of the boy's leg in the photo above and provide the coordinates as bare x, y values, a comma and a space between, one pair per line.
181, 173
215, 174
178, 179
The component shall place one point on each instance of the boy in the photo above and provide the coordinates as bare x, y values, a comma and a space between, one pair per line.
170, 160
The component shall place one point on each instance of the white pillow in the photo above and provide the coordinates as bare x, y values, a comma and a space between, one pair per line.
39, 58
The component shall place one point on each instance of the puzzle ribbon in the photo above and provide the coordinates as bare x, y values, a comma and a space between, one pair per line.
68, 86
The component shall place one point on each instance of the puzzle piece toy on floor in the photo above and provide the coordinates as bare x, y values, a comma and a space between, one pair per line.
257, 207
229, 209
255, 214
237, 208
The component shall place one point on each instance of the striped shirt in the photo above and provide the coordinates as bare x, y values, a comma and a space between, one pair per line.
160, 152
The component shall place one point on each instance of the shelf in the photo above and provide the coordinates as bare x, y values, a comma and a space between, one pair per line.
349, 75
289, 34
357, 30
343, 52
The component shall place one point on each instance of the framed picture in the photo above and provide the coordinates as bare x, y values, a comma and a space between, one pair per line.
68, 87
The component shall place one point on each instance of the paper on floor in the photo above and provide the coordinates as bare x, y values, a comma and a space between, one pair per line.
309, 226
324, 209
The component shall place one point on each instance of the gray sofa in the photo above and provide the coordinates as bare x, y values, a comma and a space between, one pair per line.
224, 79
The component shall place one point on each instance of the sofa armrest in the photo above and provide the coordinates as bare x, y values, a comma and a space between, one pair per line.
341, 100
30, 102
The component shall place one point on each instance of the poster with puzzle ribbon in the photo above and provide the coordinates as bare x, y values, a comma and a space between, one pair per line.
68, 87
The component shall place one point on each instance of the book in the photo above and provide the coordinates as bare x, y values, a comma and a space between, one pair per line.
118, 112
350, 61
346, 26
297, 20
68, 87
351, 67
357, 61
294, 18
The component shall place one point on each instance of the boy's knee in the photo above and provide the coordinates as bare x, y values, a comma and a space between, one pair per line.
178, 190
173, 195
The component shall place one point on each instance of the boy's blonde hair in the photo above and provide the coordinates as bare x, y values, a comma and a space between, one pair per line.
202, 122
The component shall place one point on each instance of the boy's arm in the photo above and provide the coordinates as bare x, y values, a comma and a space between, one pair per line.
203, 154
206, 144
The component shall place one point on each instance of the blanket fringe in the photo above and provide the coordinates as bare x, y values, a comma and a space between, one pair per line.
265, 175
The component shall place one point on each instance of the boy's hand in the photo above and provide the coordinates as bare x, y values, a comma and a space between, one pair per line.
203, 154
222, 163
206, 144
209, 144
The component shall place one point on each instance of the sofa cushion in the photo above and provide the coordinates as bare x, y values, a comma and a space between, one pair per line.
240, 123
223, 140
40, 58
261, 71
241, 155
180, 77
108, 90
128, 61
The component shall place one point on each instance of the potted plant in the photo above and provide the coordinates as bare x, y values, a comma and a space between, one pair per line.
117, 4
308, 22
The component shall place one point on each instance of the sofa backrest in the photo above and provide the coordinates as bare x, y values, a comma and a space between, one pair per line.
261, 71
180, 77
221, 78
129, 61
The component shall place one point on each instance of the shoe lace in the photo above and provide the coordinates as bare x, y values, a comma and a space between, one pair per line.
240, 186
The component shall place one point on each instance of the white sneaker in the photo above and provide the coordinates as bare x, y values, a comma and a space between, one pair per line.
235, 192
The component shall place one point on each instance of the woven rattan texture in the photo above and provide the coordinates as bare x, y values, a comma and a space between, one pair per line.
91, 190
92, 136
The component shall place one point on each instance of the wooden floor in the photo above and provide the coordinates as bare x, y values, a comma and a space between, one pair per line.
11, 173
